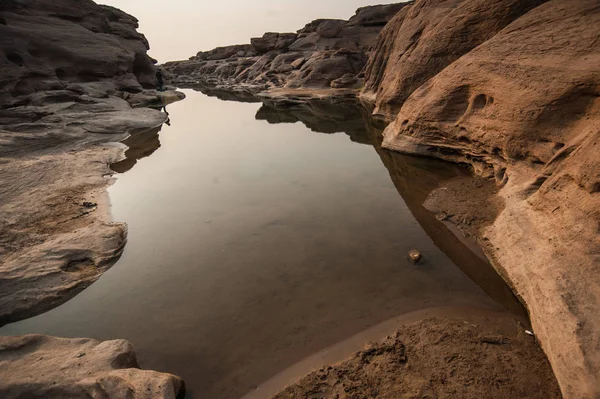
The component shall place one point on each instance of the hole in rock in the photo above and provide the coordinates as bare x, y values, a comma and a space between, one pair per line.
479, 102
76, 265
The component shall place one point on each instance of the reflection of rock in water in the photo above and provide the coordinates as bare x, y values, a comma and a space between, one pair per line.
413, 177
323, 116
224, 95
140, 145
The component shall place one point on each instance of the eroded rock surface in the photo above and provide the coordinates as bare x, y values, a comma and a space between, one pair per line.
426, 37
520, 102
73, 77
35, 366
325, 53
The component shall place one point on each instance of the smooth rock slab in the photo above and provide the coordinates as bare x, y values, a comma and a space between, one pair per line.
37, 366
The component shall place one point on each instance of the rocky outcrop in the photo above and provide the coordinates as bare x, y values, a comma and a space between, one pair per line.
35, 366
518, 100
325, 53
74, 75
425, 38
66, 44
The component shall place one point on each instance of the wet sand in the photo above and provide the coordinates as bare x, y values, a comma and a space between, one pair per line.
252, 246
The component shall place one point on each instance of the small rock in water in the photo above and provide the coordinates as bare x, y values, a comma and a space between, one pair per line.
415, 256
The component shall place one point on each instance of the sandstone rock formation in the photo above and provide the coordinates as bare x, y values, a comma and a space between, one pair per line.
35, 366
425, 38
325, 53
72, 77
518, 100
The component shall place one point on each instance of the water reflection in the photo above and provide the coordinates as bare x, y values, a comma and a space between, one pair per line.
252, 245
140, 145
323, 116
413, 177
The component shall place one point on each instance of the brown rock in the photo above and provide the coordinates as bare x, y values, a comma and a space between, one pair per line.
427, 36
437, 358
36, 366
415, 256
272, 41
70, 72
378, 15
523, 107
330, 28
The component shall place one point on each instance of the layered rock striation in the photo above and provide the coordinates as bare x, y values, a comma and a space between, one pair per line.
74, 77
36, 366
512, 88
326, 53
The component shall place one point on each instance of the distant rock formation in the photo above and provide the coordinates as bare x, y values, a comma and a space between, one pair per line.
325, 53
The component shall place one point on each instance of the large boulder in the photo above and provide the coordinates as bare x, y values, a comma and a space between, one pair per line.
36, 366
272, 41
330, 28
524, 108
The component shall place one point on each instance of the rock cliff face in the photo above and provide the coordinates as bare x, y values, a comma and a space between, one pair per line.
73, 76
425, 38
66, 44
512, 88
325, 53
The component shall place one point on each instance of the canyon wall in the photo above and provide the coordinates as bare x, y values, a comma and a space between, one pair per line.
512, 88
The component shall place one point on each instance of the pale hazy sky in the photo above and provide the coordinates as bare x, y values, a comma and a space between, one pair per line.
178, 29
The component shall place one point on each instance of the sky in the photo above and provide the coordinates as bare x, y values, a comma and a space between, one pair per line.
178, 29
